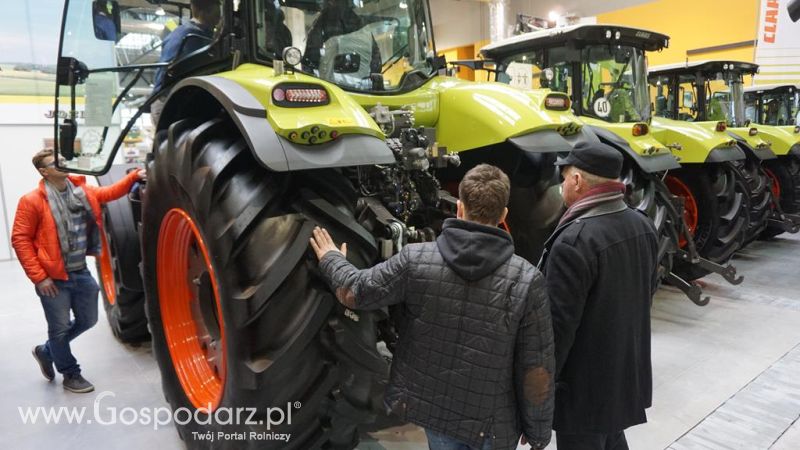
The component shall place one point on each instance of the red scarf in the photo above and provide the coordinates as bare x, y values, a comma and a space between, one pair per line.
602, 193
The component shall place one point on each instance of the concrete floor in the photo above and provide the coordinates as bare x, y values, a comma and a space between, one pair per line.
726, 375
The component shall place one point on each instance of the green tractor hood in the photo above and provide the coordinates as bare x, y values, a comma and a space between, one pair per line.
469, 115
695, 144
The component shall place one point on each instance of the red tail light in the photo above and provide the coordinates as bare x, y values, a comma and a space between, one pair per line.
558, 102
298, 95
722, 126
640, 129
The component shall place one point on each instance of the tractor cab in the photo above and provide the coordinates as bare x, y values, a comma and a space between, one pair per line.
704, 91
119, 58
712, 93
774, 104
602, 68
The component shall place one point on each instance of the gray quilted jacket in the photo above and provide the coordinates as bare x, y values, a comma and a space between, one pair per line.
475, 356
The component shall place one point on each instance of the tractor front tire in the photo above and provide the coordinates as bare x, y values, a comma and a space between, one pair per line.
118, 265
239, 313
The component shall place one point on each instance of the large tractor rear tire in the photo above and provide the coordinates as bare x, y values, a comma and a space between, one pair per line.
648, 194
239, 313
784, 174
714, 211
118, 265
758, 197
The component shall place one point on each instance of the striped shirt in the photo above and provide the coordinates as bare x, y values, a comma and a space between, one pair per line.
75, 259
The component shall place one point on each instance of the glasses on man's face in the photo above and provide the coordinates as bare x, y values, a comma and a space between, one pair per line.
53, 163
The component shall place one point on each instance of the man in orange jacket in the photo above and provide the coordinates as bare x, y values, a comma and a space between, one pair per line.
55, 227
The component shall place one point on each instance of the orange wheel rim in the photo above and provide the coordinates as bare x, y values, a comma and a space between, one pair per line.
690, 214
107, 270
774, 186
191, 312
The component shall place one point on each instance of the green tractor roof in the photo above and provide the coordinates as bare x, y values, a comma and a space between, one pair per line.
746, 68
579, 35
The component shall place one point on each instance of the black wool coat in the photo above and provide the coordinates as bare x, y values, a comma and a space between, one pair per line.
601, 274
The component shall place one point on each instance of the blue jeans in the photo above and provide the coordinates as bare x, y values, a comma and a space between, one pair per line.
79, 294
438, 441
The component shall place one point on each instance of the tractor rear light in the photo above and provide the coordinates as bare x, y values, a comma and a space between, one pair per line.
640, 129
307, 95
753, 131
558, 102
299, 95
722, 126
797, 129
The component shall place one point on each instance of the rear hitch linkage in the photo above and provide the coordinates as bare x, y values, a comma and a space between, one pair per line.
691, 290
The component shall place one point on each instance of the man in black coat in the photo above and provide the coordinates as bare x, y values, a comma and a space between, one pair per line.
474, 362
600, 269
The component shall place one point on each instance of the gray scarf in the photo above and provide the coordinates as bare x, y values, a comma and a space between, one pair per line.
62, 209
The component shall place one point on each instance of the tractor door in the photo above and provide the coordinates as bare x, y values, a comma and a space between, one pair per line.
109, 62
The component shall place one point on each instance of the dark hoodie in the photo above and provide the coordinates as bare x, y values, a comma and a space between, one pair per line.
475, 356
473, 250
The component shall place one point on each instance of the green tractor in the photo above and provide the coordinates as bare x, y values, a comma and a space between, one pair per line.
711, 94
778, 106
604, 71
289, 116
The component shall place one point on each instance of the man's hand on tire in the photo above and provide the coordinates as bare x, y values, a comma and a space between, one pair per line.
47, 288
322, 243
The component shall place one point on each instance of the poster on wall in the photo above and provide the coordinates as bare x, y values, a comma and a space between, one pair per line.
778, 47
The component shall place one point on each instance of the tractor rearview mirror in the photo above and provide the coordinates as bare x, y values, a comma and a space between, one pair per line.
347, 63
106, 20
66, 139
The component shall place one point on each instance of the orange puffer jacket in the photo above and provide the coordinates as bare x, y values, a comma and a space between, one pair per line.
35, 236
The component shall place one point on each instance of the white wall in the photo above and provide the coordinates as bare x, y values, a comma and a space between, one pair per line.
20, 142
459, 22
541, 8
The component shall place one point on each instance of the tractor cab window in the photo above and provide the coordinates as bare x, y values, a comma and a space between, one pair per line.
663, 98
725, 98
362, 45
524, 70
751, 108
780, 108
687, 98
614, 84
110, 49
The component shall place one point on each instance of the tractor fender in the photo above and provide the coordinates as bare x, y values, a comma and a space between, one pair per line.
649, 164
719, 155
762, 154
203, 96
795, 151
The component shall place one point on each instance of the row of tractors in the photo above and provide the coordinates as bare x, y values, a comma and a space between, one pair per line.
340, 114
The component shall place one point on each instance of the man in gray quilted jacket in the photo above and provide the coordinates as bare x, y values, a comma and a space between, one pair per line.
474, 363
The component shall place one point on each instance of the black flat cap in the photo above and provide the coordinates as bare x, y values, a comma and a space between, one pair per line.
594, 157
